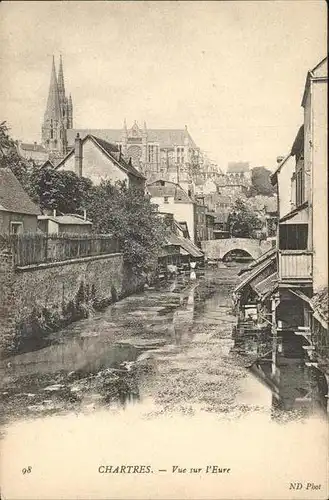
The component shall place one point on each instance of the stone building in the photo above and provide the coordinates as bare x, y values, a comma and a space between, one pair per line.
58, 118
236, 180
18, 213
165, 153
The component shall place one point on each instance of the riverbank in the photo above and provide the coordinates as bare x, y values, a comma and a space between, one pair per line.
152, 380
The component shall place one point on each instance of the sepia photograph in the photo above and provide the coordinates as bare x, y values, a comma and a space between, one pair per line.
164, 250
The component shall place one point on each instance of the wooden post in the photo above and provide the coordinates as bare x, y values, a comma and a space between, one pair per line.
274, 304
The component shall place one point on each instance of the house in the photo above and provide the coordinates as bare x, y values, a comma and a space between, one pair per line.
98, 159
18, 213
253, 298
187, 209
221, 226
68, 223
171, 198
302, 239
177, 249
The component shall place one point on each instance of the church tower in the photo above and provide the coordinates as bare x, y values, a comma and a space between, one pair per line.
58, 116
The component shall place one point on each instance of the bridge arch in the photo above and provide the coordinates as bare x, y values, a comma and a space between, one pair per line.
236, 253
218, 249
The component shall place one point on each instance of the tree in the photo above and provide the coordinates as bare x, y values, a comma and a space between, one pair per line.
10, 158
132, 218
243, 221
260, 182
57, 189
49, 188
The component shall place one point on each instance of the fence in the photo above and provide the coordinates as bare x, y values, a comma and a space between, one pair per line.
33, 248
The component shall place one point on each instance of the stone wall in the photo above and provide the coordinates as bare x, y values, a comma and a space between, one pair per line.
36, 300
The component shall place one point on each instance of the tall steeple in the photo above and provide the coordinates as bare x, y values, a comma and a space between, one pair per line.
70, 111
61, 86
58, 115
53, 110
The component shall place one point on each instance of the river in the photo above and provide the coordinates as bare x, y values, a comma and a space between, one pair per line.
155, 379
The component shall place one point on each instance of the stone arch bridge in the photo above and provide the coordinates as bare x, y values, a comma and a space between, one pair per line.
219, 249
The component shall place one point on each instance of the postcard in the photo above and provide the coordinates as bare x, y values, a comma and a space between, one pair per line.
163, 250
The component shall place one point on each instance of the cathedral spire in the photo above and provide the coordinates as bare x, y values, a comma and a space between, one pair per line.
53, 106
61, 86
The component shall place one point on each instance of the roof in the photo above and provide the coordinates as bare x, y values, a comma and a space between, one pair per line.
266, 255
164, 137
169, 189
319, 303
186, 244
311, 74
254, 273
112, 151
33, 147
66, 219
274, 176
299, 215
237, 167
13, 198
298, 145
267, 285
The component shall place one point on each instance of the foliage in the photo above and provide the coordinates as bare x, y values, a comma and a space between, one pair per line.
243, 221
260, 182
9, 157
130, 217
126, 213
57, 189
49, 188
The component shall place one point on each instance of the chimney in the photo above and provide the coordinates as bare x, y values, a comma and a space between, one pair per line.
35, 146
78, 155
84, 214
54, 212
129, 162
279, 159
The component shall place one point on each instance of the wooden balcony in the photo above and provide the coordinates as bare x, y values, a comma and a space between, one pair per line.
295, 266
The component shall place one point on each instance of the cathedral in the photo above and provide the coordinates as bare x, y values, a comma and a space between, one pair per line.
167, 153
58, 115
58, 118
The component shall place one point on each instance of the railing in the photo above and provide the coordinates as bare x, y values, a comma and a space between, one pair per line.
295, 265
34, 248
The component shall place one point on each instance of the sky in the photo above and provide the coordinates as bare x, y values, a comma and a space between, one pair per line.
233, 72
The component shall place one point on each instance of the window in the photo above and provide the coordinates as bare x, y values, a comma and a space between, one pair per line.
166, 199
180, 155
162, 183
293, 236
151, 154
16, 227
300, 182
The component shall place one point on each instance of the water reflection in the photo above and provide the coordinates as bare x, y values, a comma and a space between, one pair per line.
294, 386
171, 345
